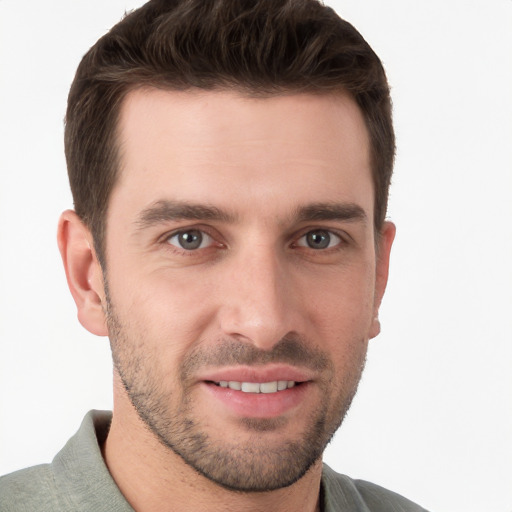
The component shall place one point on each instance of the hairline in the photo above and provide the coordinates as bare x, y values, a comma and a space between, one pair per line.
243, 91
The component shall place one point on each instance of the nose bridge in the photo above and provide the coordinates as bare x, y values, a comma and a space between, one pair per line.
257, 303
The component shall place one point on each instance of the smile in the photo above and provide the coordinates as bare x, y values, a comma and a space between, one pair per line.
257, 387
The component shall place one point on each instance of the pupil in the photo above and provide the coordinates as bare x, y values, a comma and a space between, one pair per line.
191, 239
318, 239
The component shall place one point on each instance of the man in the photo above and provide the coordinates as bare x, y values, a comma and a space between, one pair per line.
230, 164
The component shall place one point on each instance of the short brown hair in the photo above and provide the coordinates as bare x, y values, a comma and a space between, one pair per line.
261, 47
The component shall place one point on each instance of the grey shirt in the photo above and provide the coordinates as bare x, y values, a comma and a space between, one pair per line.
78, 480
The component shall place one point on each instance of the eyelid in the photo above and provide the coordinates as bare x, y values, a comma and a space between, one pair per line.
330, 232
206, 241
207, 231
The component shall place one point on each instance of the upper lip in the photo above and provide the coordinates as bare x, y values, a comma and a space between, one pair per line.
268, 373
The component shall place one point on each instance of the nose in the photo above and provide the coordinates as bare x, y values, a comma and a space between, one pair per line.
260, 303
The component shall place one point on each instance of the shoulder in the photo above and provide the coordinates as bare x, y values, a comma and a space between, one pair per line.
28, 489
77, 479
343, 492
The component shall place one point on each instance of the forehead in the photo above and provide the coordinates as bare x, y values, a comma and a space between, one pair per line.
220, 145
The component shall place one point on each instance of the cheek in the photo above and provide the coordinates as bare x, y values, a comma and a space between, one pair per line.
342, 303
166, 309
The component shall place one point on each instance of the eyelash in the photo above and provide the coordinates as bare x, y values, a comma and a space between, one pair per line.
191, 252
341, 241
340, 244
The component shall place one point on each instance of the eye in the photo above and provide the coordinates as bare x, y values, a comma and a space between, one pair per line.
319, 239
190, 240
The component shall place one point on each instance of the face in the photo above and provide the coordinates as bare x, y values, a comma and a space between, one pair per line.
242, 275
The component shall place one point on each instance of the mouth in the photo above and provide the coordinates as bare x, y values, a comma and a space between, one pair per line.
249, 399
270, 391
275, 386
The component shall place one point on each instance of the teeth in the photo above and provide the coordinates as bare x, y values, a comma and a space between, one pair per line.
250, 387
282, 385
257, 387
268, 387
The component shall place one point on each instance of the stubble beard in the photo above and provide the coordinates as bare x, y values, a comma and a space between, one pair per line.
252, 466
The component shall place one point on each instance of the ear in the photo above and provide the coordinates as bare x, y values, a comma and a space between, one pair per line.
83, 272
384, 243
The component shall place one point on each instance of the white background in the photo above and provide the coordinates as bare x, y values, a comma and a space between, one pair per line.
433, 417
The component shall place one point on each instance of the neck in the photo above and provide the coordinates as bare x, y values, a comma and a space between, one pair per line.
153, 478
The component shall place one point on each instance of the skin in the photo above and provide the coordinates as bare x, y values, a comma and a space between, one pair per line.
279, 174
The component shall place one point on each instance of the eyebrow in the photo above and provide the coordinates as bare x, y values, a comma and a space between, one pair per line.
165, 211
331, 211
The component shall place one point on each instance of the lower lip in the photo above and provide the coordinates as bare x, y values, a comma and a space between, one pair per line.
259, 405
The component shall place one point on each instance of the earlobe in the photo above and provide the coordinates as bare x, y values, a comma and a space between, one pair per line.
385, 242
83, 272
